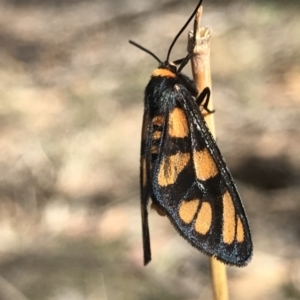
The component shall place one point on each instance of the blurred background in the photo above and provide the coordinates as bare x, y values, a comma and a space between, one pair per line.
71, 107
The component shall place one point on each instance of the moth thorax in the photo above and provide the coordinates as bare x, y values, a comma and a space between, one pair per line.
163, 72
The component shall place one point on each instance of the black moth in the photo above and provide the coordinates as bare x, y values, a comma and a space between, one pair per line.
182, 169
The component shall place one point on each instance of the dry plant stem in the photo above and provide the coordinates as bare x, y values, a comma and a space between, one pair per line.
219, 279
201, 73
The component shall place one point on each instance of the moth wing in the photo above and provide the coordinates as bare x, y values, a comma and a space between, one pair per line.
193, 184
144, 185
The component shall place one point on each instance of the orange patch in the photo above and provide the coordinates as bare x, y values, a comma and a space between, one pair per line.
204, 218
154, 150
145, 127
170, 168
204, 165
240, 235
162, 73
158, 120
144, 171
178, 126
228, 219
188, 209
156, 135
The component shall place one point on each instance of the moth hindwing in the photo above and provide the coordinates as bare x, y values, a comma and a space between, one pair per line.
182, 169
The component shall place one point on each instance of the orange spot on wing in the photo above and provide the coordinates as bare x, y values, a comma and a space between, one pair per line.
204, 218
156, 135
144, 171
240, 235
158, 120
145, 127
178, 126
188, 209
162, 73
170, 168
205, 166
154, 149
228, 219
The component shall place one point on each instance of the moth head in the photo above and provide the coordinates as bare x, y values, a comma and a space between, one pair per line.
167, 64
165, 69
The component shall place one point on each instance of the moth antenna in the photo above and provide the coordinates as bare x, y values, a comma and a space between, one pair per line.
183, 28
146, 50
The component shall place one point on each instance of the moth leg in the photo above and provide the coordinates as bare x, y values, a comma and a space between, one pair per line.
178, 61
203, 100
183, 62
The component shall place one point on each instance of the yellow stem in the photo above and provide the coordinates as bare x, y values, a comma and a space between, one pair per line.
201, 73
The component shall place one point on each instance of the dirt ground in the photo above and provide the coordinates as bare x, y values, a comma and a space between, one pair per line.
71, 89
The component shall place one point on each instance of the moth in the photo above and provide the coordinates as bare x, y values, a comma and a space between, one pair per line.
182, 170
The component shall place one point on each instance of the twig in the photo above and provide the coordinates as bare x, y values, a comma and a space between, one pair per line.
201, 73
219, 279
